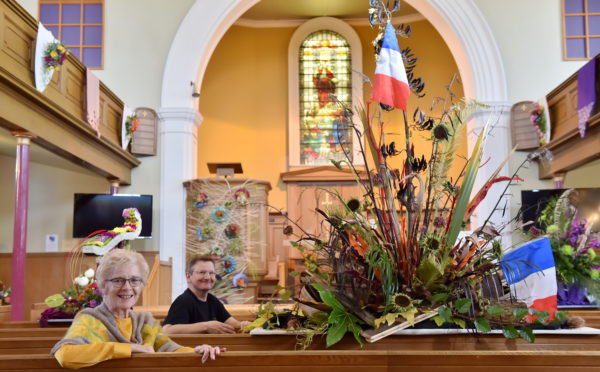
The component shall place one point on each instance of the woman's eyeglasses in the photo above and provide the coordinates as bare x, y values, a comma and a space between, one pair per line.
120, 282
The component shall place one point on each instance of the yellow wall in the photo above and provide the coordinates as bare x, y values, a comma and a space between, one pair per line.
244, 98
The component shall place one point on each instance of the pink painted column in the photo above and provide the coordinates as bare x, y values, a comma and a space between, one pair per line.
19, 255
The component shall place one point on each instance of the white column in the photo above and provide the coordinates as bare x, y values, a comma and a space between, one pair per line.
496, 148
179, 155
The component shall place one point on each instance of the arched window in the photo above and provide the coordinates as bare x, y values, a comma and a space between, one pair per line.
322, 56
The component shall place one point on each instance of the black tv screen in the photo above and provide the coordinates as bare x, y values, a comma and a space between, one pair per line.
95, 212
587, 203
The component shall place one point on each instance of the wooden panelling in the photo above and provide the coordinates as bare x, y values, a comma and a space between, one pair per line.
48, 273
569, 149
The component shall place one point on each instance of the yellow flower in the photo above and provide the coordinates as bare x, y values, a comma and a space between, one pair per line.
53, 54
61, 48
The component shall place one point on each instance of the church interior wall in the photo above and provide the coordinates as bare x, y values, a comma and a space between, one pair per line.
245, 104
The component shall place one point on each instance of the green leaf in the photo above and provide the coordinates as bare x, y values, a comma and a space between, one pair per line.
510, 331
293, 274
542, 316
356, 330
462, 305
482, 325
285, 295
438, 321
335, 333
527, 335
429, 271
439, 297
55, 300
561, 316
445, 314
464, 194
520, 313
460, 322
495, 310
532, 311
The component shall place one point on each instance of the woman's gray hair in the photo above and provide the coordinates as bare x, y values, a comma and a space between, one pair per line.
120, 257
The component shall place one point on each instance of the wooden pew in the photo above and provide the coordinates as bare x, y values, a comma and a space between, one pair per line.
245, 342
334, 361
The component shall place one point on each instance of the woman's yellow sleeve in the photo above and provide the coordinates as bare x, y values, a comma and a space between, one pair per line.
79, 356
185, 349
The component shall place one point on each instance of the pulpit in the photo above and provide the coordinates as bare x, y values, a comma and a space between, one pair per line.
226, 218
320, 187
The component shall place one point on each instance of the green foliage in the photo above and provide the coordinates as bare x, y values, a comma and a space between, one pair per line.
340, 320
527, 335
482, 325
509, 331
462, 305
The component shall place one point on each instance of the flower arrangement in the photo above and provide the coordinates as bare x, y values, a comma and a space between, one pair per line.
538, 119
574, 248
54, 56
393, 257
82, 293
4, 294
131, 124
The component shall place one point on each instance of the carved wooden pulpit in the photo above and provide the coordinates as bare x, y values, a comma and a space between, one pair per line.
312, 188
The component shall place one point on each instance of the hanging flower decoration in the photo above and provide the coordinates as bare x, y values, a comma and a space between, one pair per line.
201, 200
219, 214
54, 56
205, 232
240, 281
228, 264
241, 196
232, 231
131, 124
538, 119
216, 251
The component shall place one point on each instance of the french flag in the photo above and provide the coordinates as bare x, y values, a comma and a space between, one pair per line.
390, 85
530, 272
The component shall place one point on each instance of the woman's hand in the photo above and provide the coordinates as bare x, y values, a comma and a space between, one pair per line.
207, 350
135, 348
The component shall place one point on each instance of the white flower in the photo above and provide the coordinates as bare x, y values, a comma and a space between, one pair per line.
82, 281
89, 273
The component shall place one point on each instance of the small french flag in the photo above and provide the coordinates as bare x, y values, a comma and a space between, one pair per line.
531, 274
390, 85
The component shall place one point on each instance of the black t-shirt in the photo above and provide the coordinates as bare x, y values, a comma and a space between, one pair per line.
188, 309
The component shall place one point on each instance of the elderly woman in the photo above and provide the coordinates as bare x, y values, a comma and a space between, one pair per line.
112, 330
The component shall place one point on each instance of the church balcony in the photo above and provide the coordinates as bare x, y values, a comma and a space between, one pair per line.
57, 117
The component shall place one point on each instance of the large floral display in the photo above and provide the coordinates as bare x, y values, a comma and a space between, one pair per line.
396, 256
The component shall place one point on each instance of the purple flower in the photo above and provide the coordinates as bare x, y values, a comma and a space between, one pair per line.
93, 303
98, 292
577, 228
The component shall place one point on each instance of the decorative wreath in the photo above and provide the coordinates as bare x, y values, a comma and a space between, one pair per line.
219, 214
232, 231
240, 281
241, 196
229, 264
201, 200
205, 232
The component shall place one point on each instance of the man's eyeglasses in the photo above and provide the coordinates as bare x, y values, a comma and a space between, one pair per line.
205, 273
120, 282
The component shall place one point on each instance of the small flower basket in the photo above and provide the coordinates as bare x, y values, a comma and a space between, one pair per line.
83, 293
4, 294
131, 124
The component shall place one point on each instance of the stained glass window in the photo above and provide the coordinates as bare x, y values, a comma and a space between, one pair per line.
78, 24
581, 28
325, 88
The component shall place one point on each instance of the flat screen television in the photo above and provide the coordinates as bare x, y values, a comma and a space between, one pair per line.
93, 212
587, 202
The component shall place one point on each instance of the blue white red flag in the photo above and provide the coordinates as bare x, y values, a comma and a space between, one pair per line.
530, 272
390, 85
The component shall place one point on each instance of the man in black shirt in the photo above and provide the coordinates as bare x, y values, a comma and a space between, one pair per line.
196, 310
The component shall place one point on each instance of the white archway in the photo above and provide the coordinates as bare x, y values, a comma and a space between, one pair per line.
459, 22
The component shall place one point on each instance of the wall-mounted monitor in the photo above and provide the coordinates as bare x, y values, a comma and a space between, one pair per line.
93, 212
585, 200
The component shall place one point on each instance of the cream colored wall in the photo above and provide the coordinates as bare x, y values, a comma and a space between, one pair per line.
245, 104
529, 36
137, 38
50, 202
